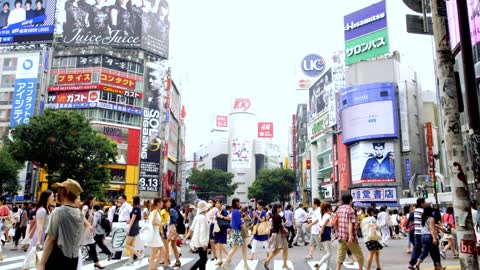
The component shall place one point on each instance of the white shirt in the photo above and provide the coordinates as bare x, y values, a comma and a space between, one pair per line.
201, 231
111, 212
300, 216
17, 15
316, 216
394, 220
382, 219
324, 219
124, 212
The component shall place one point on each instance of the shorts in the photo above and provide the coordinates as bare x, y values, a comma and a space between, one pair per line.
259, 246
314, 241
134, 231
210, 235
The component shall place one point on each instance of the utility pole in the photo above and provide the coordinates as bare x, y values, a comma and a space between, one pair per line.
452, 133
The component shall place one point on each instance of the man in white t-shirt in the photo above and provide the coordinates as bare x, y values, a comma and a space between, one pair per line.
299, 220
123, 216
314, 229
383, 219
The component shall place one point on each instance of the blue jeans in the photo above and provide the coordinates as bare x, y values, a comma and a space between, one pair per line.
417, 249
428, 246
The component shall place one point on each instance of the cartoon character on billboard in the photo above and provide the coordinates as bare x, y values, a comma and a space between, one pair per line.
379, 165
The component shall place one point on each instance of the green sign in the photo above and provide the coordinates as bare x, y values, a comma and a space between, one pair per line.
367, 46
319, 125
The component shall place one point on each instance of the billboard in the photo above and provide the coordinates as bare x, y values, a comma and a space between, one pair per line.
318, 94
73, 78
367, 47
241, 153
74, 97
151, 142
364, 21
372, 162
265, 130
88, 105
371, 194
29, 22
308, 70
242, 105
319, 126
25, 89
128, 24
369, 111
403, 107
221, 122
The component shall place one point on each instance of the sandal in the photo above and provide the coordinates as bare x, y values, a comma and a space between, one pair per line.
219, 263
177, 264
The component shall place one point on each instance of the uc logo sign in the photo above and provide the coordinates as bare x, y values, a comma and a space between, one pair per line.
313, 65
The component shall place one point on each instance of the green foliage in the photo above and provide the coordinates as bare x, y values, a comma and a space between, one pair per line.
64, 143
211, 183
272, 185
9, 168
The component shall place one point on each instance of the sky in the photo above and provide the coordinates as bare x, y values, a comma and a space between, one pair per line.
221, 49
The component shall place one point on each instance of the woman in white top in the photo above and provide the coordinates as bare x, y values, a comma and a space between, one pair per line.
326, 233
43, 217
156, 243
200, 237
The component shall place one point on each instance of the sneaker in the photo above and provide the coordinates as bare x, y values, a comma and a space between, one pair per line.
308, 257
140, 258
295, 244
129, 263
442, 253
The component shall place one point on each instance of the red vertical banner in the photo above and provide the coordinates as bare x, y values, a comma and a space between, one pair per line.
164, 181
430, 151
133, 146
294, 142
343, 165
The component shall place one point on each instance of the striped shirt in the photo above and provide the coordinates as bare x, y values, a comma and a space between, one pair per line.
417, 220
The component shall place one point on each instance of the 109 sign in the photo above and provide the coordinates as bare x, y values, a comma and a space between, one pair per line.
313, 65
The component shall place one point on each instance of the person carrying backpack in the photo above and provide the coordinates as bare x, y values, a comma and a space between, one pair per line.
102, 228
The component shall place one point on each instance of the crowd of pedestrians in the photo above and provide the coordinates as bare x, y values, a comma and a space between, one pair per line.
59, 225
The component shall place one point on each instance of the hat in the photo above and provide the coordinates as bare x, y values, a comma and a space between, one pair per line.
71, 185
203, 206
191, 206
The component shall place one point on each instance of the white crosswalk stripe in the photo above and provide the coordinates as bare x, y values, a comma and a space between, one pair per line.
313, 264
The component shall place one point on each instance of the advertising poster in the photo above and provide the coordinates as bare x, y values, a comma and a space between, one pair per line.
25, 89
221, 122
365, 20
318, 95
308, 70
403, 106
151, 143
371, 194
373, 162
367, 47
369, 111
128, 23
265, 130
30, 21
241, 153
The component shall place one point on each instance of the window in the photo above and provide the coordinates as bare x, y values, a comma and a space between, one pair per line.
5, 98
95, 77
72, 61
104, 96
9, 64
8, 81
4, 114
118, 175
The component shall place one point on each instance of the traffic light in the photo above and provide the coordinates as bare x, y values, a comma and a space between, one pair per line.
425, 194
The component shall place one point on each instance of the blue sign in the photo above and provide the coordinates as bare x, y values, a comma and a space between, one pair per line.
408, 170
86, 105
313, 65
173, 194
369, 111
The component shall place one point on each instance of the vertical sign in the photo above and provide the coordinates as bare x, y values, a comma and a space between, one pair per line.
294, 142
431, 163
408, 171
25, 89
402, 96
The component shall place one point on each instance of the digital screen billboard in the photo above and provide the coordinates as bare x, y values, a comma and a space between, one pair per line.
30, 21
369, 111
126, 24
372, 162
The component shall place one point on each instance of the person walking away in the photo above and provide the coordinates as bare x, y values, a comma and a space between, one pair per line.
156, 243
165, 220
99, 233
237, 236
220, 237
124, 210
5, 222
111, 212
346, 232
361, 215
172, 231
417, 222
43, 218
314, 229
383, 221
410, 228
448, 221
326, 234
429, 240
371, 236
21, 230
259, 243
395, 218
288, 216
211, 215
278, 238
89, 230
200, 235
300, 219
133, 231
65, 230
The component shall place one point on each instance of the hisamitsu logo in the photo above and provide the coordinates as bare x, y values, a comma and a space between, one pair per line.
313, 65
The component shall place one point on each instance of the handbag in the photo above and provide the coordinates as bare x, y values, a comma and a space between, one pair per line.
38, 256
216, 228
146, 232
372, 233
223, 223
263, 228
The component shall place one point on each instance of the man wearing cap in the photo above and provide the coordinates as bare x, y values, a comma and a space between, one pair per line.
66, 227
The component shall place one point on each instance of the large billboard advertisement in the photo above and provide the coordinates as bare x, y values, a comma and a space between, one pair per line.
126, 23
372, 162
28, 21
367, 47
151, 143
25, 89
364, 21
241, 153
369, 111
318, 94
265, 130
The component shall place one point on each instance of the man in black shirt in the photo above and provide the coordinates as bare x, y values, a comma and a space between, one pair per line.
4, 15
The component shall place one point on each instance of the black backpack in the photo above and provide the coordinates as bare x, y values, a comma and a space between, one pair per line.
180, 223
105, 224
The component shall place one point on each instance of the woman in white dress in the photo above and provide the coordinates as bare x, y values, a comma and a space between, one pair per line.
156, 243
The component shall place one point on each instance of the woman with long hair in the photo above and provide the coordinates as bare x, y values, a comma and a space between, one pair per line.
133, 230
448, 220
326, 233
165, 219
278, 238
5, 221
88, 239
259, 243
156, 243
42, 213
172, 234
430, 240
369, 227
220, 237
211, 216
237, 236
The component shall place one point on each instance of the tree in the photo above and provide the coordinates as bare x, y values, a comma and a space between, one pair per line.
9, 168
211, 183
273, 185
65, 145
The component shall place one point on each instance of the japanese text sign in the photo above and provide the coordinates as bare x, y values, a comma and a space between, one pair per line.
117, 80
375, 194
74, 78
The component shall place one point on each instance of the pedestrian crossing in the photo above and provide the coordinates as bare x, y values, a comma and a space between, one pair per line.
15, 263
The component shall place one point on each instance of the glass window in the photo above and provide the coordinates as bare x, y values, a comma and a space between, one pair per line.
5, 98
95, 77
8, 80
72, 61
56, 62
4, 114
118, 175
113, 97
104, 96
